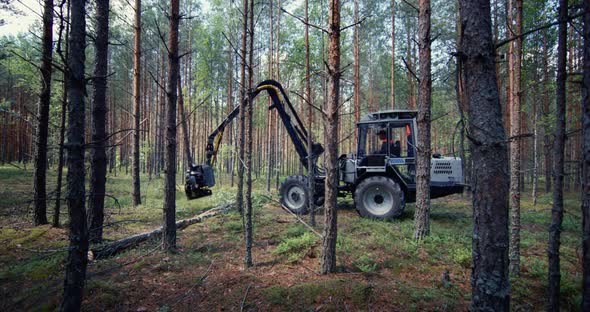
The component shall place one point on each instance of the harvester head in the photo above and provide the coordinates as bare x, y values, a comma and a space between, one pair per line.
199, 178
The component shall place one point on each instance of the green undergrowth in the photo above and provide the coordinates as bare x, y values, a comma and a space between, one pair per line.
295, 247
333, 294
379, 264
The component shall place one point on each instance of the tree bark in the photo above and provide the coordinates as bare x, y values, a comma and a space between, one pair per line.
515, 144
116, 247
586, 163
490, 283
535, 190
40, 175
280, 138
250, 117
62, 129
328, 257
547, 134
242, 113
461, 102
310, 171
357, 69
169, 228
509, 64
76, 194
98, 157
422, 214
392, 91
271, 114
554, 276
136, 103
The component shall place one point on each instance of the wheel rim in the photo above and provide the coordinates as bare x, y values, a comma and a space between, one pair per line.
378, 200
295, 198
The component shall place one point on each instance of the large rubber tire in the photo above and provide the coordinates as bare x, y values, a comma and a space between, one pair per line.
295, 194
379, 197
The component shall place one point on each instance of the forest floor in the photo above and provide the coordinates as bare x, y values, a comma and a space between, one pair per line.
380, 266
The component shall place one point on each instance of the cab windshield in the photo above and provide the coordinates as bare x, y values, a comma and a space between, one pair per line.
394, 140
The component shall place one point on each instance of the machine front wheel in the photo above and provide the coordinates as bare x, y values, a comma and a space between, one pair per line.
294, 194
379, 197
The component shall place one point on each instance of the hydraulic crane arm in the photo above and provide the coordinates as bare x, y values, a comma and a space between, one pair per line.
280, 101
200, 177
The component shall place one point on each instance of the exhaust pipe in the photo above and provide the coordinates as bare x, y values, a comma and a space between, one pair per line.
199, 178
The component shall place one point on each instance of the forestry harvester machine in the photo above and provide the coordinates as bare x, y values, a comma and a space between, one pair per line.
381, 176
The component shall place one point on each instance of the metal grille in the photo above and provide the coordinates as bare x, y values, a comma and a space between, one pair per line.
443, 167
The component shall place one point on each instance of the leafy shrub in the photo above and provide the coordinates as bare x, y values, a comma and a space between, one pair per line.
537, 267
462, 256
233, 226
365, 263
295, 231
295, 248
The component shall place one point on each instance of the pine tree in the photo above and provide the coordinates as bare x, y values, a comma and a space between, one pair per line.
136, 103
328, 257
490, 283
169, 228
422, 214
76, 195
42, 133
98, 157
554, 276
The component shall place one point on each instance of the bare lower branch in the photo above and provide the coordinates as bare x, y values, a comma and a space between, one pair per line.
528, 32
310, 104
354, 24
410, 70
303, 21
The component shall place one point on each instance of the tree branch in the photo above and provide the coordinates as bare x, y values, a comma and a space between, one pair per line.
354, 24
310, 104
303, 21
410, 70
528, 32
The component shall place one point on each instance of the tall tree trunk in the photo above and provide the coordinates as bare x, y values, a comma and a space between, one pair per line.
490, 283
422, 214
328, 257
250, 117
136, 102
547, 135
62, 129
535, 191
279, 141
183, 122
410, 69
98, 157
586, 163
230, 79
76, 194
392, 91
461, 101
558, 168
357, 69
169, 228
515, 144
40, 175
310, 171
509, 63
271, 114
242, 114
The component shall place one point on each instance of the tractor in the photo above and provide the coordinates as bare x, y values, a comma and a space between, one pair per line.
380, 176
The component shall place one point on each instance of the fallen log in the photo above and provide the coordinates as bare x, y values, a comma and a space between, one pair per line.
105, 251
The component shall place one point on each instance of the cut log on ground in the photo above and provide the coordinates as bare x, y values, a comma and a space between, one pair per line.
105, 251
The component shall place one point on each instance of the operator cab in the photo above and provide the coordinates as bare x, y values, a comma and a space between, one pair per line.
387, 138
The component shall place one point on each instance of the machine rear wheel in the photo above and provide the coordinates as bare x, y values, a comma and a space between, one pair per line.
379, 197
294, 194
